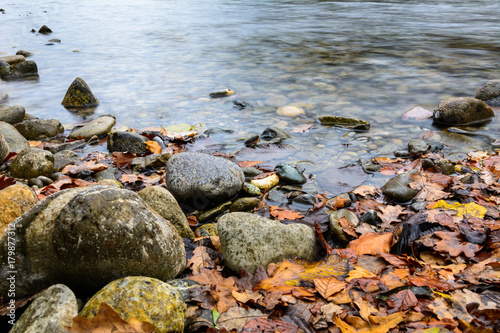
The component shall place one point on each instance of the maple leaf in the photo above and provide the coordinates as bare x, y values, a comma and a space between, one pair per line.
6, 181
108, 321
372, 243
91, 166
282, 214
365, 190
153, 147
389, 214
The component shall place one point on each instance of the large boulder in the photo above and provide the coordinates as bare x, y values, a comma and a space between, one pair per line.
51, 312
202, 179
490, 93
142, 298
12, 114
31, 163
99, 126
249, 240
39, 129
164, 203
14, 139
462, 111
87, 237
79, 95
15, 200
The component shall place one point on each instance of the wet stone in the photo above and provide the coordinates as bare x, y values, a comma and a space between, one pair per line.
207, 230
23, 69
446, 167
4, 149
39, 129
15, 200
372, 167
25, 53
370, 217
79, 95
336, 228
274, 132
251, 172
417, 113
125, 141
251, 189
305, 199
12, 114
289, 175
397, 189
31, 163
462, 111
352, 123
35, 182
402, 153
12, 60
244, 204
214, 212
99, 126
44, 30
150, 161
490, 93
417, 147
290, 111
58, 147
64, 158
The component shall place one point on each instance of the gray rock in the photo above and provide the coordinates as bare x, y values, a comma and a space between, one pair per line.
446, 167
339, 236
125, 141
289, 175
370, 217
31, 163
109, 173
164, 203
24, 53
87, 237
14, 59
274, 132
20, 70
152, 161
35, 182
58, 147
462, 111
4, 149
417, 113
202, 178
39, 129
14, 139
305, 199
397, 189
490, 93
99, 126
249, 241
64, 158
244, 204
3, 97
52, 311
79, 95
417, 147
12, 114
251, 172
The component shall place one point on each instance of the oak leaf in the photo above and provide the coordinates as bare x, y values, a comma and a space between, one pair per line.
236, 318
402, 301
282, 214
122, 159
365, 190
452, 244
387, 323
219, 287
389, 214
108, 320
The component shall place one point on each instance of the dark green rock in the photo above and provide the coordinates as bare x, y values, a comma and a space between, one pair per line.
251, 172
79, 95
446, 167
207, 230
214, 212
462, 111
20, 70
125, 141
289, 175
397, 189
44, 30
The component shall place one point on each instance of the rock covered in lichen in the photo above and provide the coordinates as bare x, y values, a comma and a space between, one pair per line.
462, 111
31, 163
490, 93
15, 200
39, 129
79, 95
143, 298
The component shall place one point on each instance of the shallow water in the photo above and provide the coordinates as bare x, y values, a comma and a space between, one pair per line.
154, 62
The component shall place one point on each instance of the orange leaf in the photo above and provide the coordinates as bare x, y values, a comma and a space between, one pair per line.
153, 147
372, 243
328, 286
282, 214
107, 321
122, 159
90, 165
347, 227
248, 164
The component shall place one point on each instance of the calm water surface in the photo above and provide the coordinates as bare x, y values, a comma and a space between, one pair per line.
154, 62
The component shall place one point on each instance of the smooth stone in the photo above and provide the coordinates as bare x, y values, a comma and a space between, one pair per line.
45, 180
417, 113
39, 129
79, 95
370, 217
12, 114
446, 167
249, 240
58, 147
274, 132
251, 172
20, 70
305, 199
4, 149
417, 147
276, 196
373, 167
397, 189
143, 298
14, 139
266, 183
125, 141
111, 182
214, 212
345, 122
35, 182
13, 59
344, 197
44, 30
99, 126
251, 189
490, 93
418, 206
244, 204
89, 236
3, 97
25, 53
54, 40
207, 230
289, 175
402, 153
31, 163
51, 312
108, 173
221, 93
462, 111
202, 178
64, 158
164, 203
336, 229
15, 200
290, 111
150, 161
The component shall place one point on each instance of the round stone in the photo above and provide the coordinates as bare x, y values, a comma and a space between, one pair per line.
99, 126
290, 111
12, 114
462, 111
39, 129
15, 200
31, 163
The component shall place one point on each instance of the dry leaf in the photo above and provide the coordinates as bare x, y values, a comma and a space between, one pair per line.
328, 286
372, 243
282, 214
236, 318
365, 190
122, 159
248, 164
402, 301
6, 181
92, 166
153, 147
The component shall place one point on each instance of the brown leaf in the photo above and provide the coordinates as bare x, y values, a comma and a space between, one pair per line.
372, 243
122, 159
248, 164
387, 323
262, 325
203, 257
328, 286
6, 181
181, 136
452, 244
282, 214
219, 287
62, 183
108, 321
347, 227
389, 214
132, 178
421, 281
365, 190
92, 166
402, 301
236, 318
153, 147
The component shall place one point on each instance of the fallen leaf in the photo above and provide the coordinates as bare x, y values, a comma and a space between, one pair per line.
91, 166
263, 325
328, 286
6, 181
463, 210
181, 136
203, 257
282, 214
421, 281
218, 286
108, 321
372, 243
122, 159
389, 214
359, 273
236, 318
347, 227
389, 323
62, 183
402, 301
153, 147
452, 244
248, 164
365, 190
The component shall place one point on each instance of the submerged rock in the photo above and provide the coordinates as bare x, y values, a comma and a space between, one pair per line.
99, 126
87, 237
397, 189
221, 93
64, 158
79, 95
462, 111
417, 113
31, 163
39, 129
15, 200
202, 179
490, 93
12, 114
289, 175
352, 123
142, 298
290, 111
249, 240
19, 70
51, 312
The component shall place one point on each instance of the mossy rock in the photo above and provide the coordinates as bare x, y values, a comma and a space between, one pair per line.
79, 95
345, 122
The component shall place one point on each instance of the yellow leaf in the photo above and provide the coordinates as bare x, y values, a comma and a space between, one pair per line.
153, 147
389, 322
359, 272
463, 210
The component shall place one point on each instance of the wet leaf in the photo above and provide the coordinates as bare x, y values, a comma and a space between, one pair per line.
91, 166
248, 164
390, 322
180, 136
365, 190
108, 321
122, 159
389, 214
236, 318
282, 214
463, 210
402, 301
218, 287
452, 244
6, 181
347, 227
372, 243
263, 325
62, 183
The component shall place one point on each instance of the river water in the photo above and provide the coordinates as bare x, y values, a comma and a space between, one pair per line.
154, 62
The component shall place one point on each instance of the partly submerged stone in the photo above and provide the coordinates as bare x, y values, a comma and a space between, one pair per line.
99, 126
89, 236
244, 204
290, 111
19, 70
397, 189
31, 163
462, 111
289, 175
221, 93
15, 200
143, 298
351, 123
13, 59
490, 93
417, 147
14, 139
51, 312
417, 113
164, 203
335, 226
39, 129
44, 30
12, 114
79, 95
249, 240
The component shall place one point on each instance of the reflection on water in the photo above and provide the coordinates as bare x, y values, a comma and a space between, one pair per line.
154, 62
